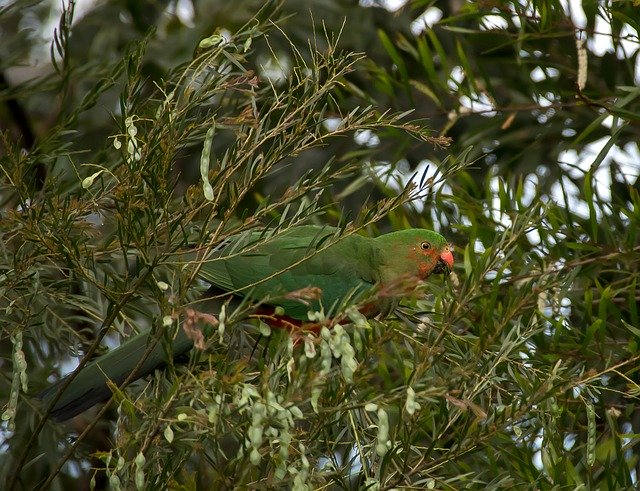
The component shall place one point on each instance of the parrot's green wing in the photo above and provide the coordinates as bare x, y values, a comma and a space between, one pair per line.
289, 260
254, 265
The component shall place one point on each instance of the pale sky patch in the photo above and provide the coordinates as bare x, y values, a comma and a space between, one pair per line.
426, 20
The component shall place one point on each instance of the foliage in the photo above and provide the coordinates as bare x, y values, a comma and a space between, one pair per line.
518, 371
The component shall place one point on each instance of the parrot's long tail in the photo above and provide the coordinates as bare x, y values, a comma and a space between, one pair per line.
89, 386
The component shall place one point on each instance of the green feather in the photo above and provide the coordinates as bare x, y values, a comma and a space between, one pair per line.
295, 259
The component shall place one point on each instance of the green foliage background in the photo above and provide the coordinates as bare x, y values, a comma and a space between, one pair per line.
517, 372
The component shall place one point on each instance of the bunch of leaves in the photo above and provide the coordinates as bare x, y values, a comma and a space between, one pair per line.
519, 371
92, 252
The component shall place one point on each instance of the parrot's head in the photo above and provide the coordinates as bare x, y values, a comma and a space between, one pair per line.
415, 252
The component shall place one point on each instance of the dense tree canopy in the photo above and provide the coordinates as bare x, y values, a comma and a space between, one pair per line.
143, 129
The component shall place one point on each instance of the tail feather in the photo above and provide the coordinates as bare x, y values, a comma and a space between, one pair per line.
89, 386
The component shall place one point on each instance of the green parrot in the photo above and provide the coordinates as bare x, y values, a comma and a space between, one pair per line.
274, 267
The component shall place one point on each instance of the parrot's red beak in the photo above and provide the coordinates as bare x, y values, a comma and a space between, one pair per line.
445, 262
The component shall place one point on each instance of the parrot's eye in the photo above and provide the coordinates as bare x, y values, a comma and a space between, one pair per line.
425, 246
